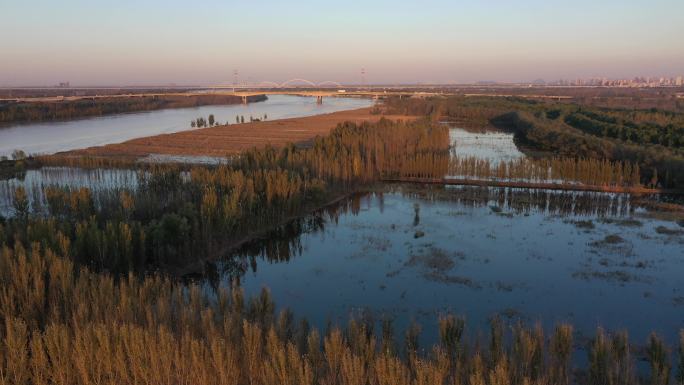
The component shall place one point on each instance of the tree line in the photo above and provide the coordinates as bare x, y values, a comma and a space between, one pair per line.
39, 111
522, 201
659, 166
650, 138
211, 121
178, 215
555, 170
625, 127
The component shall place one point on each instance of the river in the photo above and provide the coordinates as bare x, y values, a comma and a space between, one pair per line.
52, 137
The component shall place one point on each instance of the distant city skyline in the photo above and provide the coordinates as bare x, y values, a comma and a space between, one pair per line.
637, 81
153, 42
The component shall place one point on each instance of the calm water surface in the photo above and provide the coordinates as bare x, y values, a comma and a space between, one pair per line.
412, 254
588, 259
48, 138
34, 182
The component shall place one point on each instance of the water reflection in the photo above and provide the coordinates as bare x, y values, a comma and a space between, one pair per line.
495, 146
285, 242
585, 258
528, 201
63, 136
34, 182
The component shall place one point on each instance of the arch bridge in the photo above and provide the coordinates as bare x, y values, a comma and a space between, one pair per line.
308, 88
303, 87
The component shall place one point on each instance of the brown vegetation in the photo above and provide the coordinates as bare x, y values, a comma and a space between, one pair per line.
544, 173
64, 325
67, 318
177, 215
232, 139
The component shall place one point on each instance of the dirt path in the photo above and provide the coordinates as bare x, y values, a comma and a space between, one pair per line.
234, 138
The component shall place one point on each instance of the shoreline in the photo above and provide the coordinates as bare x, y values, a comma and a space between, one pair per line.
227, 140
199, 266
57, 110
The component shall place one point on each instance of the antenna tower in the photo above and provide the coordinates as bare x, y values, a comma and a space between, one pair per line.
235, 79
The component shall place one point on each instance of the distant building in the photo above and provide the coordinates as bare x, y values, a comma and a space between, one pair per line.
637, 82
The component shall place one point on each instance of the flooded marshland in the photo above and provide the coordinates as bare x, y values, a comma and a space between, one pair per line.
35, 181
495, 146
411, 253
589, 259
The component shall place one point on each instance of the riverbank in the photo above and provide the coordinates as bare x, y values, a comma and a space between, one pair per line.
198, 268
63, 109
232, 139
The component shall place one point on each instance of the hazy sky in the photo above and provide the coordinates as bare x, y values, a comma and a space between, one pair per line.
99, 42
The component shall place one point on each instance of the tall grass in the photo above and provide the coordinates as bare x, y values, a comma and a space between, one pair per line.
61, 324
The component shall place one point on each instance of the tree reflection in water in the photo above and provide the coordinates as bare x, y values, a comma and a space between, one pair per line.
285, 242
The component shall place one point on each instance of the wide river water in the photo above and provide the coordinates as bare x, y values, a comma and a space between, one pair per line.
48, 138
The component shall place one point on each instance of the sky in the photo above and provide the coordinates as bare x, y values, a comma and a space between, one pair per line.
155, 42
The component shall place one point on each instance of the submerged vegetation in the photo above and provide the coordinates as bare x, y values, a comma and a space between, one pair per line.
558, 170
587, 171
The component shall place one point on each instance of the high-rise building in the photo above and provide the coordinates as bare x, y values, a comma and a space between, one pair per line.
680, 81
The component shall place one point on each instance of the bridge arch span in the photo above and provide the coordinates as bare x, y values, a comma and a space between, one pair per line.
267, 83
329, 83
287, 83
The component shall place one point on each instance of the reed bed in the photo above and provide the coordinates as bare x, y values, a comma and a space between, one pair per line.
67, 325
